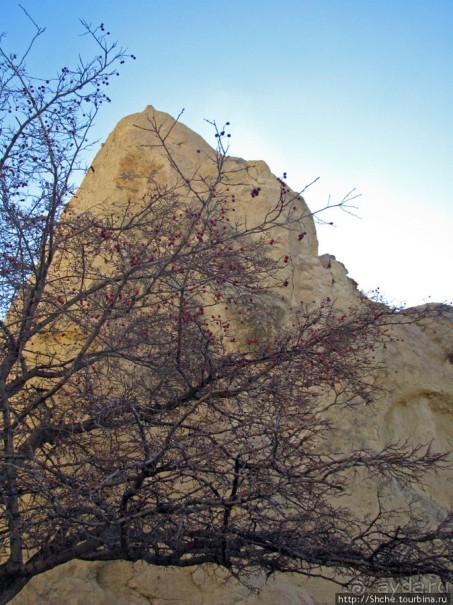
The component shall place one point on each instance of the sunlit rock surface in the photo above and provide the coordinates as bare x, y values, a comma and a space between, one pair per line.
418, 379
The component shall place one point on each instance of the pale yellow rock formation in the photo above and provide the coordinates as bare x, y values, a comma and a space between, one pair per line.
417, 406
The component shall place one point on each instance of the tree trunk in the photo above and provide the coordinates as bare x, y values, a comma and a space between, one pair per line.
10, 587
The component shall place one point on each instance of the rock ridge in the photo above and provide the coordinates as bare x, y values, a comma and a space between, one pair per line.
419, 378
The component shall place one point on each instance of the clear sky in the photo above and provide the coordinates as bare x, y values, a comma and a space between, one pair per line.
358, 92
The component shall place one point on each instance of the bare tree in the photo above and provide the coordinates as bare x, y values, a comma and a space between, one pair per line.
145, 412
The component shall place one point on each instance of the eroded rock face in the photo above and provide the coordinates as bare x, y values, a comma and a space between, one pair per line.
131, 157
123, 583
417, 405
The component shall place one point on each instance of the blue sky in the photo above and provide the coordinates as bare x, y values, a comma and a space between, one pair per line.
358, 92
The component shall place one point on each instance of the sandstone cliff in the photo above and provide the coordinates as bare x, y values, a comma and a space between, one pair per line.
418, 380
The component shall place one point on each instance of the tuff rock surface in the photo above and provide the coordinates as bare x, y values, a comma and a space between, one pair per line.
417, 406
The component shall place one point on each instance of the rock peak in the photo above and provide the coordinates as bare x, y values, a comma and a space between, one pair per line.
416, 404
